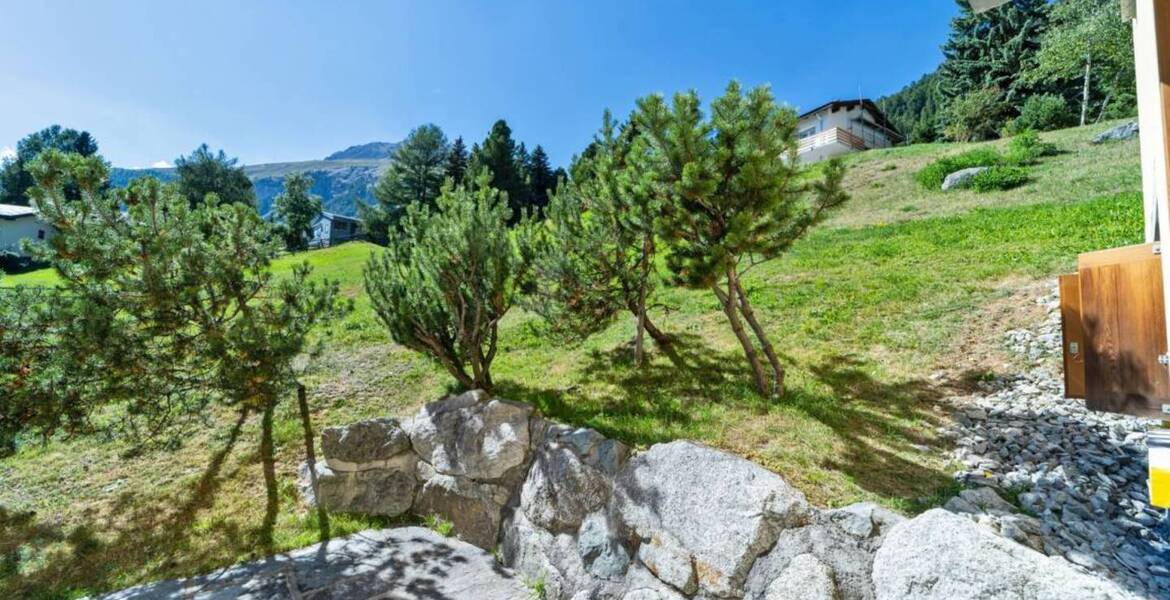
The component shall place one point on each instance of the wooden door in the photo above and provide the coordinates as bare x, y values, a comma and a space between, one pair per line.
1124, 327
1072, 336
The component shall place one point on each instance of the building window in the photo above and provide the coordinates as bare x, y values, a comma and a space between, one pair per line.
811, 131
40, 234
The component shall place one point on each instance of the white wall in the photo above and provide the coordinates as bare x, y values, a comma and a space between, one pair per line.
11, 232
847, 120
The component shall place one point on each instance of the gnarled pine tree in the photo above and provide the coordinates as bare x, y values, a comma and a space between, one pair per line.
731, 197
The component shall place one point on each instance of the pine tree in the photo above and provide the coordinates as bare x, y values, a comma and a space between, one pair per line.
452, 274
204, 174
541, 179
15, 178
731, 197
994, 50
596, 257
164, 309
498, 154
456, 161
415, 176
296, 209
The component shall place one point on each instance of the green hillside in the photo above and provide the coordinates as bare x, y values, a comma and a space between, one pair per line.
899, 301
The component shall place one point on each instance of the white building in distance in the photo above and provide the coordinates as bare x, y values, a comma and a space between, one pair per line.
841, 127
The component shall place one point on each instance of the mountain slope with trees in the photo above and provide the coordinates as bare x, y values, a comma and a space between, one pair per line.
1072, 60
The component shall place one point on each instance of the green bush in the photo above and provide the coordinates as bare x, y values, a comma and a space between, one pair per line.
999, 178
931, 176
1043, 112
1027, 148
975, 116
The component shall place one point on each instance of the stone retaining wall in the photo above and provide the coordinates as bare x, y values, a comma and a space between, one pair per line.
589, 519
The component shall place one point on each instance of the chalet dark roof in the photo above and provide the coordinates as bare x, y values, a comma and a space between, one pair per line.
879, 117
338, 217
12, 212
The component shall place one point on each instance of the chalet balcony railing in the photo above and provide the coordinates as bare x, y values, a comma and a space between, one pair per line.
831, 136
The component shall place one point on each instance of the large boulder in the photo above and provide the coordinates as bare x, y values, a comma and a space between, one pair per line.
641, 584
961, 178
602, 547
940, 555
712, 509
805, 578
385, 492
365, 445
571, 476
471, 436
842, 541
554, 559
474, 508
1117, 134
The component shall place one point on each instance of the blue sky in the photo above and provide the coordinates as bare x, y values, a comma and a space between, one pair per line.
276, 81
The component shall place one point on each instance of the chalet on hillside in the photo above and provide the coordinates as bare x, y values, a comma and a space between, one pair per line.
20, 223
330, 229
841, 127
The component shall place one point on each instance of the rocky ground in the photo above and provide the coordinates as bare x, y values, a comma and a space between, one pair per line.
1051, 474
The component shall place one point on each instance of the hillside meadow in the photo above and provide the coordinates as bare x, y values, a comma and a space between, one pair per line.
900, 300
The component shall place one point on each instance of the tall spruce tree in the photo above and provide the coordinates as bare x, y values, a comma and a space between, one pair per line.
15, 177
498, 154
994, 50
456, 161
541, 179
595, 258
206, 174
415, 176
731, 198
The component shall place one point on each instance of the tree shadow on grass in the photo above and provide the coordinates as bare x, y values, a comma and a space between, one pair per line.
145, 530
665, 399
883, 427
887, 429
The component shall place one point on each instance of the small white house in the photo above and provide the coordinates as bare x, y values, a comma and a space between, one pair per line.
841, 127
20, 223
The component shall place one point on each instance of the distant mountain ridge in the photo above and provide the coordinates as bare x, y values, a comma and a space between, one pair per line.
342, 180
373, 150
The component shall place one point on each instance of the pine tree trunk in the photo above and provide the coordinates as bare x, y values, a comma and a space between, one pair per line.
731, 309
268, 465
750, 316
1085, 89
311, 459
639, 333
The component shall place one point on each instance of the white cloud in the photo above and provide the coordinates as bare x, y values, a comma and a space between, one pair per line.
160, 164
6, 153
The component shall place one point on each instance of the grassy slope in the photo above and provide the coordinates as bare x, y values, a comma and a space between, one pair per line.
884, 191
872, 321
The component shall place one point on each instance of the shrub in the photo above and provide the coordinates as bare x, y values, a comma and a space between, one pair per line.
1042, 112
443, 285
975, 116
1027, 147
999, 178
931, 176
